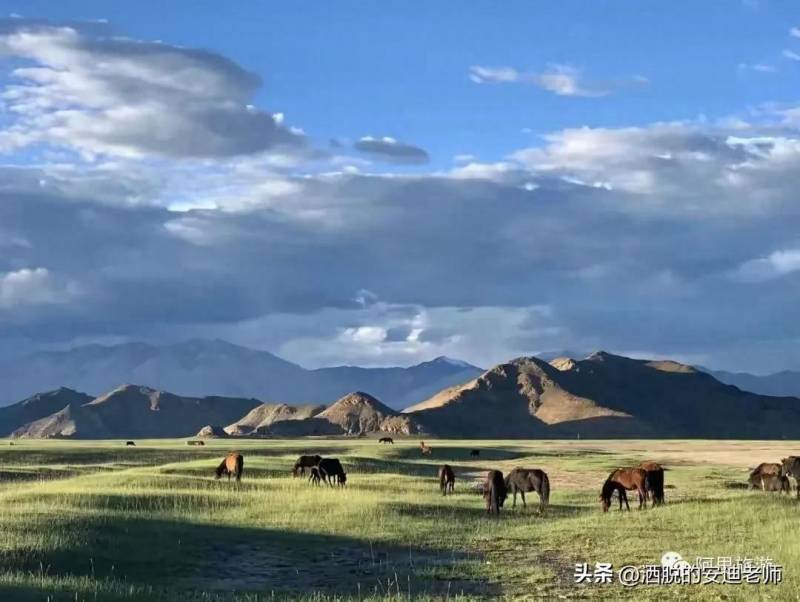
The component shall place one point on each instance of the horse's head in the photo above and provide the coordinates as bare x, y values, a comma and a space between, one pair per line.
220, 470
604, 502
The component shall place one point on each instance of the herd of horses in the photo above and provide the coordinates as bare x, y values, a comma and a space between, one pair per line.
647, 479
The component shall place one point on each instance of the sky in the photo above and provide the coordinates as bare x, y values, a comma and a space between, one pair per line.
383, 183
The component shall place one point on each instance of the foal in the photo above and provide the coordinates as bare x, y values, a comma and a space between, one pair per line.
447, 479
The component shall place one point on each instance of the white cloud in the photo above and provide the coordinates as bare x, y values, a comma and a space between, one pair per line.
562, 80
776, 264
29, 286
791, 55
122, 97
795, 32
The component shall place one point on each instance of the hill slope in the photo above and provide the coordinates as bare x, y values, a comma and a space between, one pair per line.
38, 406
203, 367
133, 411
603, 395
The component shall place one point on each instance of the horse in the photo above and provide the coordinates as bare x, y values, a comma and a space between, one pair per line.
524, 480
775, 483
772, 468
304, 462
494, 491
654, 482
130, 443
447, 479
624, 479
329, 469
474, 453
426, 449
194, 442
790, 467
385, 440
233, 464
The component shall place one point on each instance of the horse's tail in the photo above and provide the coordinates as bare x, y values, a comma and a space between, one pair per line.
545, 489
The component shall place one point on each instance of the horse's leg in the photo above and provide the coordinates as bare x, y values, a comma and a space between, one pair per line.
522, 493
625, 497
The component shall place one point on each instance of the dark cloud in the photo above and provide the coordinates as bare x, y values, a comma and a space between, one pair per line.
391, 150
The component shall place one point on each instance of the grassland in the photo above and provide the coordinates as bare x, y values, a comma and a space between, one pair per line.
101, 521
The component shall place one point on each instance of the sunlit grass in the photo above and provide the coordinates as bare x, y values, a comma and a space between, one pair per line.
151, 523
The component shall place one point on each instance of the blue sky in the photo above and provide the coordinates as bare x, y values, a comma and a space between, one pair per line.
376, 183
348, 69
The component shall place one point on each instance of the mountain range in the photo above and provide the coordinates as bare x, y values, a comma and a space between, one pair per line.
213, 367
603, 395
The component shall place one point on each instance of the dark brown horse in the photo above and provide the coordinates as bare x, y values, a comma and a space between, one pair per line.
621, 480
494, 491
524, 480
474, 453
130, 443
790, 467
447, 479
655, 481
385, 440
771, 482
233, 464
425, 449
304, 462
329, 470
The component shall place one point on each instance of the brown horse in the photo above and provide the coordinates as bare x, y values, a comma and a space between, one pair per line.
494, 491
770, 482
790, 467
304, 462
447, 479
426, 449
233, 464
385, 440
524, 480
621, 480
655, 481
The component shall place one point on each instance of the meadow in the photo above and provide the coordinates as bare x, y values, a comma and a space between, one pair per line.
95, 520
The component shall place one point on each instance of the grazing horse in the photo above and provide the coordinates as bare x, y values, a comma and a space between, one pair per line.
655, 481
233, 464
130, 443
494, 491
385, 440
327, 470
790, 467
195, 442
474, 453
771, 482
447, 479
624, 479
304, 462
524, 480
426, 449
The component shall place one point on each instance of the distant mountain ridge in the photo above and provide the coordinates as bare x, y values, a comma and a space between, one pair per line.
784, 383
604, 395
205, 367
127, 411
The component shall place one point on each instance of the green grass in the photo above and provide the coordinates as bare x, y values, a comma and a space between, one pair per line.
99, 521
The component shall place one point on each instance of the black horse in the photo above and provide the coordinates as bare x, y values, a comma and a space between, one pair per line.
329, 470
524, 480
304, 462
494, 491
385, 440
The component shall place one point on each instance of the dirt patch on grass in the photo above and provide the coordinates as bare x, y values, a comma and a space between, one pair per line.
351, 569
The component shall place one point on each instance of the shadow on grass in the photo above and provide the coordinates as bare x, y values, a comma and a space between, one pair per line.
187, 559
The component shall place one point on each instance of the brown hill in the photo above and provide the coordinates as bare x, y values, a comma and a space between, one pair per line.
358, 413
211, 431
39, 406
261, 418
603, 395
133, 411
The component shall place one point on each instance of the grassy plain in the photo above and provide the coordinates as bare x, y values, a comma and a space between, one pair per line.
96, 520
